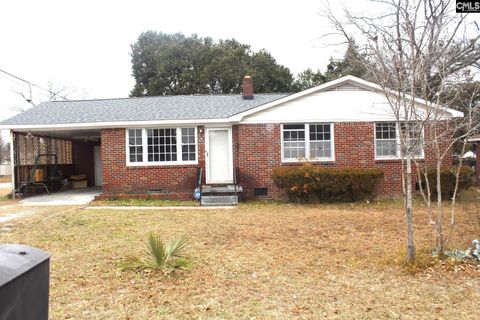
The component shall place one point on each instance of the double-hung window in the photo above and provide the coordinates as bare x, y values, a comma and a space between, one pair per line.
413, 138
386, 144
388, 140
189, 147
307, 142
152, 146
320, 141
135, 146
294, 142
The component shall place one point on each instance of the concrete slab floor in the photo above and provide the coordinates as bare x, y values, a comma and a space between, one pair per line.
64, 198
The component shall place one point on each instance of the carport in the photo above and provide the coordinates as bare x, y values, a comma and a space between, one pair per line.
49, 161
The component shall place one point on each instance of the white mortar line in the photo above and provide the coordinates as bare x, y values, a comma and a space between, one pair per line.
161, 208
47, 204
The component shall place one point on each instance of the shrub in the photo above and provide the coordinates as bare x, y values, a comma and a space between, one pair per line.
158, 255
447, 178
307, 182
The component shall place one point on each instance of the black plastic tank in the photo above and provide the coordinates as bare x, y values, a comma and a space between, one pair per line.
24, 282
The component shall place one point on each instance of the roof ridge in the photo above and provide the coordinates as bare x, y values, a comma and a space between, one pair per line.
167, 96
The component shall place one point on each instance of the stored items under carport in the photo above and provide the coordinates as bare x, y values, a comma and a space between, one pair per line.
37, 178
78, 181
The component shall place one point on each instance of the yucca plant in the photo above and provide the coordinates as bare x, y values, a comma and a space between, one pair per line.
159, 255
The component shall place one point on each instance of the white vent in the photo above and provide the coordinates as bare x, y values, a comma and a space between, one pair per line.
347, 87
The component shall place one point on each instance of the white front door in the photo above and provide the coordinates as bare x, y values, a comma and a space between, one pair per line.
218, 155
97, 156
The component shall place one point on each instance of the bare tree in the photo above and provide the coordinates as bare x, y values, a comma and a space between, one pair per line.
414, 50
53, 92
3, 149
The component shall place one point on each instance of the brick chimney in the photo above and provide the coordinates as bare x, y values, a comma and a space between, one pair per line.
247, 88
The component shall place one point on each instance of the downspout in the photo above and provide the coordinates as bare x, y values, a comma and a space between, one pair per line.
12, 161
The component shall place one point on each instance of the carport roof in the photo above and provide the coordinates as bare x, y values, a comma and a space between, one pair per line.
161, 108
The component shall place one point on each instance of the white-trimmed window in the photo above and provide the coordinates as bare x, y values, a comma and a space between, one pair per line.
415, 135
189, 147
387, 140
162, 145
135, 145
152, 146
307, 142
386, 145
293, 141
320, 141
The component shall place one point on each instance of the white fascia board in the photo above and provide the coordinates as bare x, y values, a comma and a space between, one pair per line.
310, 120
110, 125
369, 85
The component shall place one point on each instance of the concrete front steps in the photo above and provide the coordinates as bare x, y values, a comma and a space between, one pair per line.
220, 195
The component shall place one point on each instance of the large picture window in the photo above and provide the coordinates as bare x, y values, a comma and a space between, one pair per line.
387, 140
162, 146
307, 142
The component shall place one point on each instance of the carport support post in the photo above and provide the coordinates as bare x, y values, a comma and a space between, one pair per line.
12, 161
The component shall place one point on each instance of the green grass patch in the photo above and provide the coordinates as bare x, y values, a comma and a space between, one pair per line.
143, 203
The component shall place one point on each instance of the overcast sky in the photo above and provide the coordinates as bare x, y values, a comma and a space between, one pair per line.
85, 45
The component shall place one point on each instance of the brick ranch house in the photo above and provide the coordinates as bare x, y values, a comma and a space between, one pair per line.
156, 144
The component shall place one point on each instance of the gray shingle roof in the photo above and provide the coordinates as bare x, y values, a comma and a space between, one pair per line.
139, 109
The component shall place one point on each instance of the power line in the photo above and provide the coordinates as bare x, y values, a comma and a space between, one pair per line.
23, 85
52, 94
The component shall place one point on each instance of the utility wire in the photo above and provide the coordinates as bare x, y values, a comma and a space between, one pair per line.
53, 94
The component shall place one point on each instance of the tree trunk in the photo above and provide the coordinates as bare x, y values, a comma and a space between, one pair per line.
411, 254
439, 235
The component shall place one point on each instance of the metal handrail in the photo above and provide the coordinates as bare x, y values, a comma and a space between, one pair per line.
199, 181
235, 180
199, 178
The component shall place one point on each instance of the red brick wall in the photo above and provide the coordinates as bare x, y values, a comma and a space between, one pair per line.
258, 154
177, 180
256, 151
259, 151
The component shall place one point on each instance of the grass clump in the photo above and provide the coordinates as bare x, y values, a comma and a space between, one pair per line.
159, 255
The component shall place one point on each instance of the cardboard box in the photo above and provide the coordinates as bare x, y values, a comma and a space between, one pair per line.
78, 177
39, 175
79, 184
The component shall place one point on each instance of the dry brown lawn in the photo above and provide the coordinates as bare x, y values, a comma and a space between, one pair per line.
260, 261
5, 196
5, 179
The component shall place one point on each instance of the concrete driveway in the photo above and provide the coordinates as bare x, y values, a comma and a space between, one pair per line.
71, 197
